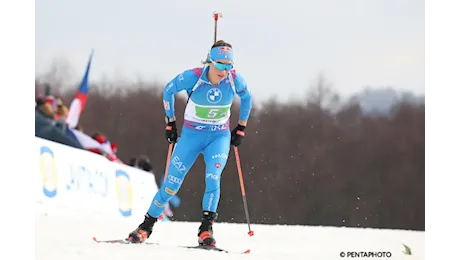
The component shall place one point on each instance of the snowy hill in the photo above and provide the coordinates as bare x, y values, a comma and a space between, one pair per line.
269, 242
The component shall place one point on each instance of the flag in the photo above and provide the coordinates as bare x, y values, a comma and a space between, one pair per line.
78, 103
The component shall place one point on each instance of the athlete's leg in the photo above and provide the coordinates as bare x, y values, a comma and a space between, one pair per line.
215, 155
185, 153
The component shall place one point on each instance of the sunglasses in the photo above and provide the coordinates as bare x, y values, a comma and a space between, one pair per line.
222, 66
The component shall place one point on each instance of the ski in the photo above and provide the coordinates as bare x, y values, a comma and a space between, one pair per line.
119, 241
207, 248
214, 248
126, 241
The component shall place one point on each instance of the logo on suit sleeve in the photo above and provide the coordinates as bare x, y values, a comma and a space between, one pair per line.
214, 96
166, 104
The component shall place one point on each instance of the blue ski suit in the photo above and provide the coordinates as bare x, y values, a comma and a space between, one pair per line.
206, 130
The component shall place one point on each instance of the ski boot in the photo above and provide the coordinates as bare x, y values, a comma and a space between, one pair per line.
205, 234
140, 234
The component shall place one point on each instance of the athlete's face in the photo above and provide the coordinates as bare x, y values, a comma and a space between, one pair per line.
220, 68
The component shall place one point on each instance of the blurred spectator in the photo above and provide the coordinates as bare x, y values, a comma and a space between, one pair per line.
144, 163
51, 123
132, 162
61, 111
44, 108
106, 148
47, 128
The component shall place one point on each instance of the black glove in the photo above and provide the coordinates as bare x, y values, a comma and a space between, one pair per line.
237, 135
171, 132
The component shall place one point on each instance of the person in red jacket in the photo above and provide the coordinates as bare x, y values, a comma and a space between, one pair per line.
107, 148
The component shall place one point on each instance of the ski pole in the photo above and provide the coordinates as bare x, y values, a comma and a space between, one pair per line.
243, 191
216, 17
170, 148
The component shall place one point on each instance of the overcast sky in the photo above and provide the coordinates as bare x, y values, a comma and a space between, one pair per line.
280, 46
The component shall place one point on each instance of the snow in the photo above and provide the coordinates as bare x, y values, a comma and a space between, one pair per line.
69, 236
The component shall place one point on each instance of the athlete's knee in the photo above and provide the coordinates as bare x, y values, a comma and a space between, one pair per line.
172, 184
212, 182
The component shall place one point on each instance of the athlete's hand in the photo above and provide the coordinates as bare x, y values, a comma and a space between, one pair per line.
171, 132
237, 135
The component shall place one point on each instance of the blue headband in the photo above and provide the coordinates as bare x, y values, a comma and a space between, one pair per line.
221, 53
